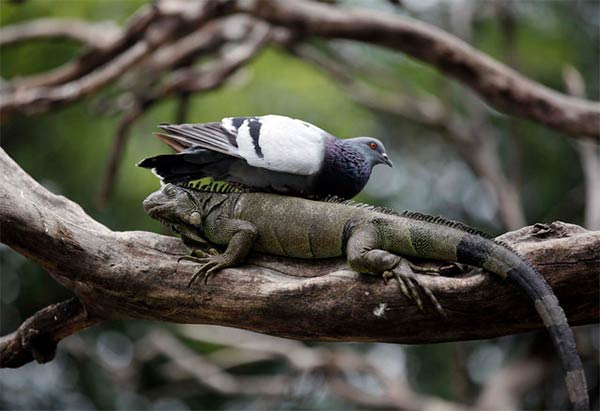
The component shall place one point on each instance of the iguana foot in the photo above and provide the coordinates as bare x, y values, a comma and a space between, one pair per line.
433, 270
210, 265
197, 254
409, 283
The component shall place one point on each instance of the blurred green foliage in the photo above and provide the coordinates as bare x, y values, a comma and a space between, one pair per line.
66, 151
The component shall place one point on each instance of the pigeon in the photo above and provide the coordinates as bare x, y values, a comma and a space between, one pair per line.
270, 153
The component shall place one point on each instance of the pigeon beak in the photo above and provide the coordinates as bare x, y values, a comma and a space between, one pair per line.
386, 160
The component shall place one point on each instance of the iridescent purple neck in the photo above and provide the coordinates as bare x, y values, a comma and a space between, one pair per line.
345, 171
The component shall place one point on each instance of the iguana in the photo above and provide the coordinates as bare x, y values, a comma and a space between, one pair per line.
374, 240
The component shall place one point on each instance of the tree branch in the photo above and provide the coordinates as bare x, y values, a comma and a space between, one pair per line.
39, 99
38, 336
499, 85
138, 275
93, 57
149, 29
95, 35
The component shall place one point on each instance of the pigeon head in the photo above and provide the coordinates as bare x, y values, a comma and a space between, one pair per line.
372, 149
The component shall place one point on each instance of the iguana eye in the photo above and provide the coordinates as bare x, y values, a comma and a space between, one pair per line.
373, 146
169, 190
195, 218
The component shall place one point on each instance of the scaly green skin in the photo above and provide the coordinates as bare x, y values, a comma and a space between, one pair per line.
373, 241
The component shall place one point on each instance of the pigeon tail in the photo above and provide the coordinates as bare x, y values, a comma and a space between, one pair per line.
189, 165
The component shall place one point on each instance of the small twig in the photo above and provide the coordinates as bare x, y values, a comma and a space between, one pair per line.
475, 141
183, 107
589, 154
337, 362
425, 110
507, 386
38, 336
508, 27
204, 371
207, 38
212, 75
115, 155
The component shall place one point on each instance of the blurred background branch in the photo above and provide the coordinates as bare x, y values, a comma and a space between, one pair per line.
589, 153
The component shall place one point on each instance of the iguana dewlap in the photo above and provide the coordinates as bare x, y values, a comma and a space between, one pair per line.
373, 240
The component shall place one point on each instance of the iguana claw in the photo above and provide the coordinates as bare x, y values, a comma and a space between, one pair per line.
210, 265
409, 283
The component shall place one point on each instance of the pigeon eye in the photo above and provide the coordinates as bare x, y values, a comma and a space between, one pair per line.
373, 146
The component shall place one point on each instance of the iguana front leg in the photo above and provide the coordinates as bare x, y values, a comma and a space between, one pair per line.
365, 255
198, 245
239, 235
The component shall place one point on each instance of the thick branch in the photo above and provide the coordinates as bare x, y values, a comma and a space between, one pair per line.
137, 275
499, 85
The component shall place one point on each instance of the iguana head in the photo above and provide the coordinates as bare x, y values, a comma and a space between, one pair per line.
174, 205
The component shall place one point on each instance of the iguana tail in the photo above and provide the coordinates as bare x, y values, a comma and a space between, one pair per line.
466, 245
500, 259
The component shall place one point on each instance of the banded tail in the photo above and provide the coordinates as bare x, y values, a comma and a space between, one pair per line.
498, 258
466, 245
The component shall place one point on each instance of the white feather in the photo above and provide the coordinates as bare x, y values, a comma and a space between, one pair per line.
288, 145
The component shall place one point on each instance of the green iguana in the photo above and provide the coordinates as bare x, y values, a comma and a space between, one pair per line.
374, 240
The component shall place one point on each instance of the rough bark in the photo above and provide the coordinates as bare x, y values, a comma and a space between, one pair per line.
137, 275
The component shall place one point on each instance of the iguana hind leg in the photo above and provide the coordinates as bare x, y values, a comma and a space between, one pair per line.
365, 255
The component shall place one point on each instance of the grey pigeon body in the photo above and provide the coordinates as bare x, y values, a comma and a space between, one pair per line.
270, 153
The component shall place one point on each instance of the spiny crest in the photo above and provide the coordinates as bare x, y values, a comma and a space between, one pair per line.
430, 219
352, 203
209, 185
512, 250
412, 215
445, 222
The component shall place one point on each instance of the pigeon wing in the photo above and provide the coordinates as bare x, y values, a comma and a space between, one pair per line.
278, 143
211, 136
